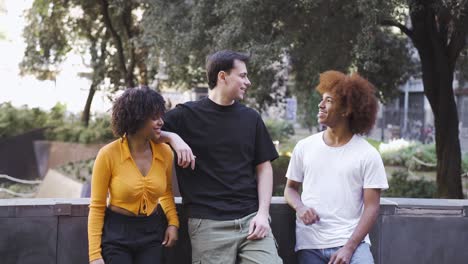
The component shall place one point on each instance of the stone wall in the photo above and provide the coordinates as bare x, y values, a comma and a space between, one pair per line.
408, 231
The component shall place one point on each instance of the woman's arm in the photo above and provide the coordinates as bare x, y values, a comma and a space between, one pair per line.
169, 207
99, 189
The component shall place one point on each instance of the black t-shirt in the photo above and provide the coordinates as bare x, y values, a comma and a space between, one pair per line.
229, 142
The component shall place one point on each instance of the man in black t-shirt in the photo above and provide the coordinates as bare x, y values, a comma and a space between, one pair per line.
227, 194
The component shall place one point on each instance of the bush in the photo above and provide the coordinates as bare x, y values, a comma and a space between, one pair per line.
374, 143
98, 131
280, 167
425, 153
15, 121
404, 157
80, 170
464, 164
62, 126
279, 130
401, 186
278, 190
287, 147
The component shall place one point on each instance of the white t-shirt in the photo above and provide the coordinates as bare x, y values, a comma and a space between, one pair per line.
333, 179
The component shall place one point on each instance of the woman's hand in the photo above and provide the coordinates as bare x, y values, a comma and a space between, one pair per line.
171, 236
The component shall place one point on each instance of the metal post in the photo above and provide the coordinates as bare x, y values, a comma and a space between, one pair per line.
382, 137
405, 115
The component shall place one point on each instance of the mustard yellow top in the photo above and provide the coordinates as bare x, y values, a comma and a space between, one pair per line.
116, 173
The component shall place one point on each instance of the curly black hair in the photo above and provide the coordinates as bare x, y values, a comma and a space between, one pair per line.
133, 108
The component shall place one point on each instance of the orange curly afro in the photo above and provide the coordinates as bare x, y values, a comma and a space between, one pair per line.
356, 95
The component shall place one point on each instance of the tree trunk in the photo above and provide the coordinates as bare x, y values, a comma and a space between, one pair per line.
448, 159
437, 75
127, 73
85, 116
447, 136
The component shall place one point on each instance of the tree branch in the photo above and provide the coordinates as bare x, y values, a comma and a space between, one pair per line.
127, 22
456, 45
117, 40
392, 23
458, 39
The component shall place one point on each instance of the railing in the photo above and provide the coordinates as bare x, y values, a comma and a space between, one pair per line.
412, 231
20, 181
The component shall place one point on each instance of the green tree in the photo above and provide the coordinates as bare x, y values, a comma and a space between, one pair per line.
18, 120
314, 35
322, 35
106, 31
387, 64
438, 30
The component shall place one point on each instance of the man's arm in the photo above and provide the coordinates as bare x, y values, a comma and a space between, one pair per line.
293, 198
370, 214
184, 153
265, 187
291, 194
260, 226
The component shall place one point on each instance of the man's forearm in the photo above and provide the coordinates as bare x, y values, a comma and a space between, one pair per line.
293, 198
364, 226
183, 151
265, 187
165, 137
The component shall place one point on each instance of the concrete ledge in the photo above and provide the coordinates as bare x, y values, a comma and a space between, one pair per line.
407, 231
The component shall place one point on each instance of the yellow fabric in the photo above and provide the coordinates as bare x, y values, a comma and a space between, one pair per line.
116, 173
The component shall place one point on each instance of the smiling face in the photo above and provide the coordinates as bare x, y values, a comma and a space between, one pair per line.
152, 127
331, 113
236, 81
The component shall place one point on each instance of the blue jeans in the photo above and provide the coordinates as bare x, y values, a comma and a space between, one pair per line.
362, 255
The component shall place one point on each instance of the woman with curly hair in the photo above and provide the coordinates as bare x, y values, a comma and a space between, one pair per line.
140, 216
341, 175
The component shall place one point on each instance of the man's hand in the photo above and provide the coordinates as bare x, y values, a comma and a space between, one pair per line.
342, 256
308, 215
291, 193
97, 261
184, 153
171, 236
259, 227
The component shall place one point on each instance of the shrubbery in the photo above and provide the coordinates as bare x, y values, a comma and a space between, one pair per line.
80, 171
404, 157
402, 186
279, 130
61, 125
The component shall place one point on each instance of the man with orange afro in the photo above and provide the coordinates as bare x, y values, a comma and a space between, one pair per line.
341, 176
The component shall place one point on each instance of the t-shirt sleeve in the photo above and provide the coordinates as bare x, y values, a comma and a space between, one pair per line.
172, 120
264, 148
374, 172
295, 168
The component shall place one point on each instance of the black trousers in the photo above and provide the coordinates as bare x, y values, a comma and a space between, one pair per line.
133, 240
